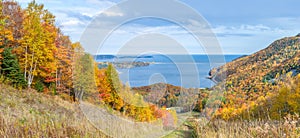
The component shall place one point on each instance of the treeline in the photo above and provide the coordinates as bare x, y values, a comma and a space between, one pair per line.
275, 105
167, 95
129, 103
35, 54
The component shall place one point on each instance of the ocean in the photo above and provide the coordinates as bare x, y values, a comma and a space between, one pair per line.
188, 71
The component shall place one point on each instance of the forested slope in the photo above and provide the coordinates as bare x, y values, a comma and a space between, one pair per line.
260, 76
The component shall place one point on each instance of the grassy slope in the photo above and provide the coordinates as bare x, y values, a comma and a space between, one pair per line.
31, 114
248, 129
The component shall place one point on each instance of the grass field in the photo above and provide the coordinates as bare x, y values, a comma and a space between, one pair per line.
31, 114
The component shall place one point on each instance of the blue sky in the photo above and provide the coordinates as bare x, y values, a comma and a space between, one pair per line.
242, 27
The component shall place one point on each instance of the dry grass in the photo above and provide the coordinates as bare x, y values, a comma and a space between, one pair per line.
31, 114
287, 128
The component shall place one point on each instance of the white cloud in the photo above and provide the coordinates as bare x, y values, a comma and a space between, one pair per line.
74, 16
128, 32
112, 14
249, 38
72, 22
242, 39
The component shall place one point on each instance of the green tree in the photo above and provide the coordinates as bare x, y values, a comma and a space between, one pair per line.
115, 86
11, 69
84, 75
113, 78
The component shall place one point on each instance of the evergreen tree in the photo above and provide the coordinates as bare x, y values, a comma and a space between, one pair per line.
11, 69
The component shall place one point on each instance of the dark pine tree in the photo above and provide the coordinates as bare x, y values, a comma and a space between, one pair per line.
11, 69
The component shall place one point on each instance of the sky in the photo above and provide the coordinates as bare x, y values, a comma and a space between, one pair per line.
241, 27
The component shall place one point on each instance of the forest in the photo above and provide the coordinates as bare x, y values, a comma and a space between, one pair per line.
35, 54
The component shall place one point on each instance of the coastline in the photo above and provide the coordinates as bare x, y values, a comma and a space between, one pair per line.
163, 65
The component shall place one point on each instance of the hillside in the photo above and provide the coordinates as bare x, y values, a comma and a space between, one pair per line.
167, 95
255, 78
281, 55
28, 113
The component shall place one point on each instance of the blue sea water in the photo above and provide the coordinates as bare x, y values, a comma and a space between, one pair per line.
189, 71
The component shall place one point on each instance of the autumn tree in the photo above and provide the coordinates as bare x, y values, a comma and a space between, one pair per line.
10, 20
115, 87
103, 86
6, 37
287, 100
14, 13
37, 44
84, 76
64, 58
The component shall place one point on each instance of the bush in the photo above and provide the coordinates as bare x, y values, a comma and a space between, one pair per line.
39, 86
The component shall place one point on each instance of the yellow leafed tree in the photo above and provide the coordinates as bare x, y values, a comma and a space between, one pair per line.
36, 53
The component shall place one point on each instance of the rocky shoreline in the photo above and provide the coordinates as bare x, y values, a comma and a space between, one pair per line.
218, 74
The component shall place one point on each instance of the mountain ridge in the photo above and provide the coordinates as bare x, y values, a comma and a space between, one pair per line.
259, 78
262, 55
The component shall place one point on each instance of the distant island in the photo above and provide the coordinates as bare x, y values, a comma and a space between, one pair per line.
124, 65
115, 57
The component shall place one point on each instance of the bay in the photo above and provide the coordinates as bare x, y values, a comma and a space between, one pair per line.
188, 71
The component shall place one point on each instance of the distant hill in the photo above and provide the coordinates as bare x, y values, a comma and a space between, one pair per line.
281, 56
169, 95
254, 78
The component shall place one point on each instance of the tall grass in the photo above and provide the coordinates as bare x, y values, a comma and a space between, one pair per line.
288, 127
26, 113
31, 114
